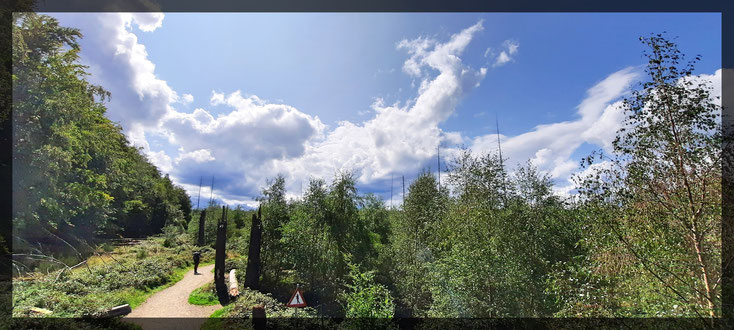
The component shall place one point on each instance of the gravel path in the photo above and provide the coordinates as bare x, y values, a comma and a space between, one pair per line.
170, 308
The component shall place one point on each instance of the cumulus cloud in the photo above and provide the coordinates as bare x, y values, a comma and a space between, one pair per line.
147, 22
240, 145
400, 138
198, 156
120, 63
186, 98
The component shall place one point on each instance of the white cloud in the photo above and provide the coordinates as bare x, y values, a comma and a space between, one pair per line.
199, 156
161, 160
505, 56
549, 147
398, 139
186, 98
502, 59
148, 22
260, 130
120, 64
512, 46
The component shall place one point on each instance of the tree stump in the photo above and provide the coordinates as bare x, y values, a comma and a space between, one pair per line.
259, 319
252, 273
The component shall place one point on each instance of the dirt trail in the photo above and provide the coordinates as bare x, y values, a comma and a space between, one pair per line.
170, 308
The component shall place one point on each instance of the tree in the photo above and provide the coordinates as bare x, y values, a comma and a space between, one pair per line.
76, 178
275, 212
661, 188
414, 241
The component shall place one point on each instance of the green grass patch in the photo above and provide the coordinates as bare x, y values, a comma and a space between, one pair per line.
205, 295
215, 320
222, 312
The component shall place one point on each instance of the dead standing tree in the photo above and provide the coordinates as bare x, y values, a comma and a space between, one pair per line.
202, 218
252, 274
219, 257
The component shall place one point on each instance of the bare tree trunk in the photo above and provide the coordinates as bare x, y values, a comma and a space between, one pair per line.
202, 218
252, 273
704, 273
220, 256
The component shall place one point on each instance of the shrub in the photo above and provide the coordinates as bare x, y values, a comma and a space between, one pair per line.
365, 298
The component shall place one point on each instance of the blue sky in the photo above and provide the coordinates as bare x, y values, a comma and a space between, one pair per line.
246, 96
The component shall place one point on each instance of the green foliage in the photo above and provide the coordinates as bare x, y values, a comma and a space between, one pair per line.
172, 235
497, 249
365, 298
655, 208
76, 178
414, 241
275, 215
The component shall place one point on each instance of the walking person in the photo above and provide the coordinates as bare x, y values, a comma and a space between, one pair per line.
197, 257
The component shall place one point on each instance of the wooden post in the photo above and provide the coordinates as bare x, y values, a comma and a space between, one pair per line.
252, 273
220, 256
202, 218
234, 290
259, 319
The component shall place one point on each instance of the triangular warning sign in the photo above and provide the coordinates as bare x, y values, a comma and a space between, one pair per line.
297, 299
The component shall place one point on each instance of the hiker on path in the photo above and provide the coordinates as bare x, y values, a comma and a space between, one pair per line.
197, 257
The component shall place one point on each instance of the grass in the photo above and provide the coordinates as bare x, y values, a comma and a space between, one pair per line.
204, 296
222, 312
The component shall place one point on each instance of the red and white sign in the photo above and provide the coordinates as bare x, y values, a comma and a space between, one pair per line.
297, 299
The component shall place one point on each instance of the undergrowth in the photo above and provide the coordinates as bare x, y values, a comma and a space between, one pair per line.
126, 279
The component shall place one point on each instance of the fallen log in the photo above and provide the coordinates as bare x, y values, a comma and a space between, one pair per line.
38, 310
234, 291
117, 311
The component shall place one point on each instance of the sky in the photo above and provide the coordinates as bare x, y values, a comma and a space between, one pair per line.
243, 97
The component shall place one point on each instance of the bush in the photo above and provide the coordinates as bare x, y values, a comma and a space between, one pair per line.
365, 298
172, 235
